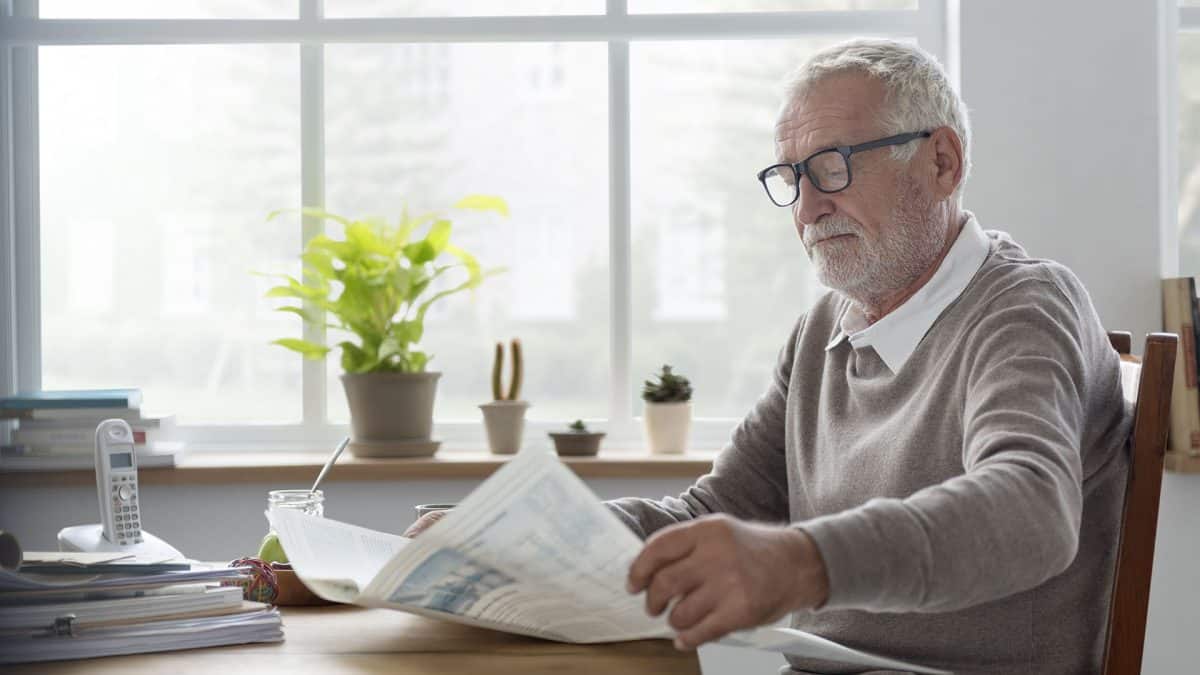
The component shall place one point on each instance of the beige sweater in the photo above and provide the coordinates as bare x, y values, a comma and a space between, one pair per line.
967, 506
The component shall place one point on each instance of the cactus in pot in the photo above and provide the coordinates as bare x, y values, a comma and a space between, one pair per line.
504, 415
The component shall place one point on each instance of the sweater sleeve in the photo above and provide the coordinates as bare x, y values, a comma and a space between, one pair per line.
1011, 520
749, 476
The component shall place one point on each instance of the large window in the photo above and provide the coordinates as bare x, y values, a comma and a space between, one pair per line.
624, 135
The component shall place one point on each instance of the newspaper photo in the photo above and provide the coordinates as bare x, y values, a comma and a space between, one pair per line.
531, 551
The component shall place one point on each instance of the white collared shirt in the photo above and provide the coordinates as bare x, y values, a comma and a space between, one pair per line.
896, 336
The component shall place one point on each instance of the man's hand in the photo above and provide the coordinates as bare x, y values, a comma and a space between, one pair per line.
423, 523
727, 575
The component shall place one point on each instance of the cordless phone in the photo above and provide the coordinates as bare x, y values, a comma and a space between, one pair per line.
120, 526
116, 483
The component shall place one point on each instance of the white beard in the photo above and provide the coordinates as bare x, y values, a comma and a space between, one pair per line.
870, 271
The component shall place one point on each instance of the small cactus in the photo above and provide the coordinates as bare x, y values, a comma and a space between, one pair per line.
518, 372
670, 388
578, 426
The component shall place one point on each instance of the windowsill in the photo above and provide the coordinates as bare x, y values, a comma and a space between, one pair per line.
209, 468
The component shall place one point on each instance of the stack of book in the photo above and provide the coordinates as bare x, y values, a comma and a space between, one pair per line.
56, 430
1181, 315
65, 609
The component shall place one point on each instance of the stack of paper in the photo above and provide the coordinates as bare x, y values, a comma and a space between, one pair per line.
47, 617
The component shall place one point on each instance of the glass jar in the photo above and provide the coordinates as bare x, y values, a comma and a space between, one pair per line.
306, 501
423, 509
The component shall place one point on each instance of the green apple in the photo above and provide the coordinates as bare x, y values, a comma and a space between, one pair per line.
271, 550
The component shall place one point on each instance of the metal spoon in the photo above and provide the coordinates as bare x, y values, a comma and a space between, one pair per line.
329, 463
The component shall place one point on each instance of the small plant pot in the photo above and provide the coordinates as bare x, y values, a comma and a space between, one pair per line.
667, 427
504, 422
576, 443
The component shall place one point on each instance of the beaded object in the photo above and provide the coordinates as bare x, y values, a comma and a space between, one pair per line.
262, 586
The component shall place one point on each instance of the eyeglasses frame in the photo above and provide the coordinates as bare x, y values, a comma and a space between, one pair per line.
801, 168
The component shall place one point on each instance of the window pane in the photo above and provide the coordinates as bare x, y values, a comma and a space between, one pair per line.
719, 273
697, 6
393, 8
158, 167
1189, 153
426, 124
175, 9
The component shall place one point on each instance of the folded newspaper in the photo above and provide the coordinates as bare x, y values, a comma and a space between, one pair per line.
531, 551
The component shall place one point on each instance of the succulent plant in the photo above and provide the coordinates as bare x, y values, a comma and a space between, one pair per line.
578, 426
670, 388
518, 372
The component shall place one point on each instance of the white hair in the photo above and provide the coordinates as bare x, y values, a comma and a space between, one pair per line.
918, 92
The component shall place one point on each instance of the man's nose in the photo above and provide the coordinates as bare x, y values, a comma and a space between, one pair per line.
811, 204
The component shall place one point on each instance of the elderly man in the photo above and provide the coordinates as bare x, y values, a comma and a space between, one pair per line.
936, 469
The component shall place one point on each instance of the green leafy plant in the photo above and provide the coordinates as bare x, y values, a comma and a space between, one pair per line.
373, 283
578, 426
670, 388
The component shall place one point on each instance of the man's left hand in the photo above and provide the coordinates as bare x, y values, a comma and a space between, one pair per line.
727, 575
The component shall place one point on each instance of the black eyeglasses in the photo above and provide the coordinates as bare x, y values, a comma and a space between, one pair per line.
828, 169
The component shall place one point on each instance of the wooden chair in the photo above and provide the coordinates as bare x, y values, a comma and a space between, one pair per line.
1148, 387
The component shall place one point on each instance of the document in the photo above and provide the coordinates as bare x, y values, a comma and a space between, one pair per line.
531, 551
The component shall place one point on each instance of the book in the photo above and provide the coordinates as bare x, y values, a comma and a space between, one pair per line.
84, 436
195, 599
531, 551
84, 417
69, 638
74, 398
1184, 434
79, 562
162, 455
16, 587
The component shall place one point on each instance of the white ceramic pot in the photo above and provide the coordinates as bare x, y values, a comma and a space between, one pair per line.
504, 422
667, 427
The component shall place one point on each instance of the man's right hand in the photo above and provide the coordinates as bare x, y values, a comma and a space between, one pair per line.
423, 523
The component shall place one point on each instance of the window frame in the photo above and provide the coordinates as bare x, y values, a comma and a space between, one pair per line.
1175, 19
932, 24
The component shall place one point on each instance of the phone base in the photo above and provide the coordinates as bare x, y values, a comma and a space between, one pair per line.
90, 539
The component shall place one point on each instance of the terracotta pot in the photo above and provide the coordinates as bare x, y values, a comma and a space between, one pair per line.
504, 422
390, 409
667, 427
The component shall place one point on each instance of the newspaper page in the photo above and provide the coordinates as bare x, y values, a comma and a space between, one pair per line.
531, 551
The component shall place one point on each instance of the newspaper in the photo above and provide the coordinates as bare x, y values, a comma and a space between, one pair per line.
531, 551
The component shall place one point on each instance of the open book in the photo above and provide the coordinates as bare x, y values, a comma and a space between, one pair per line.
531, 551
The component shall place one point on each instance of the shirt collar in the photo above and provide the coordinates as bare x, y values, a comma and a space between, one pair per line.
896, 336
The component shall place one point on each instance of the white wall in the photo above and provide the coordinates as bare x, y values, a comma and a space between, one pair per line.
1064, 103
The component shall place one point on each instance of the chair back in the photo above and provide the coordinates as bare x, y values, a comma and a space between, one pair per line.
1147, 385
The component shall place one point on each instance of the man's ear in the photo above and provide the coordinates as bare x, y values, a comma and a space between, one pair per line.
947, 160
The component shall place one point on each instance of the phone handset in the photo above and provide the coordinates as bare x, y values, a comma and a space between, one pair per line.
116, 483
120, 526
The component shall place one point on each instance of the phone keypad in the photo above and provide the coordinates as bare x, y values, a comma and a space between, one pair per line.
126, 520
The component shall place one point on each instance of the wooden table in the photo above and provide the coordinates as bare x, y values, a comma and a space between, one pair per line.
342, 639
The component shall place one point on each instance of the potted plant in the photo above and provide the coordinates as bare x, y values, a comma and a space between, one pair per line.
504, 416
577, 440
668, 416
375, 285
